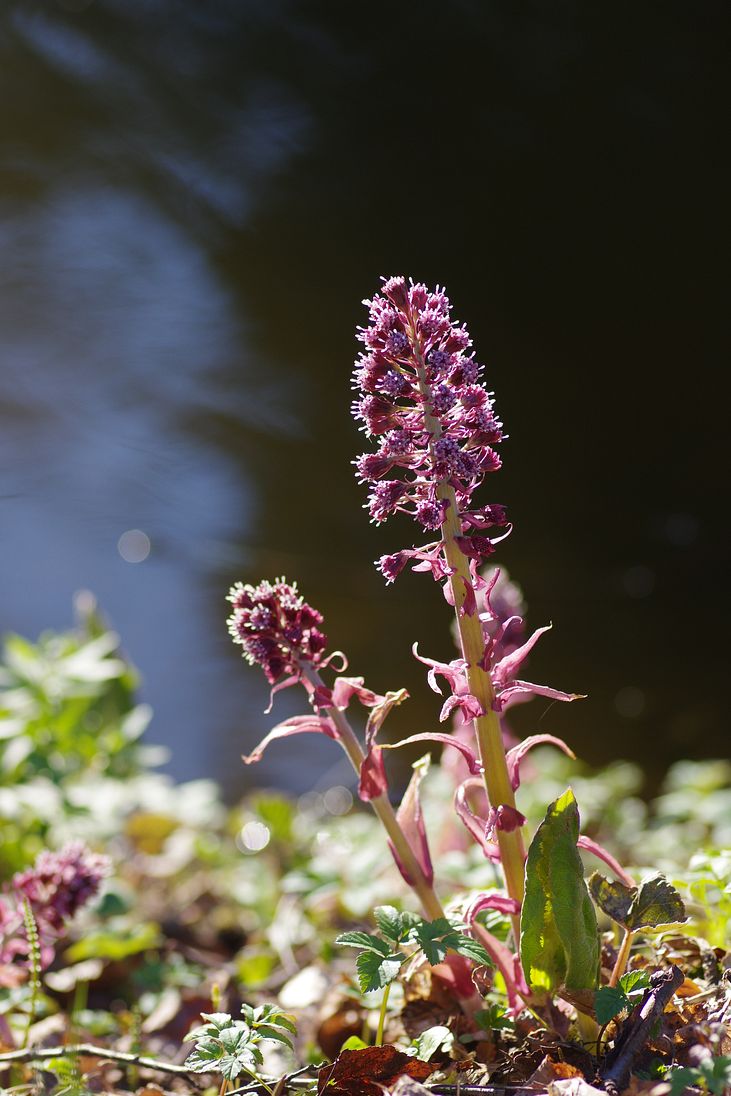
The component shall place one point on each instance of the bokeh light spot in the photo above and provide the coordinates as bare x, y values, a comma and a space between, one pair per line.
134, 546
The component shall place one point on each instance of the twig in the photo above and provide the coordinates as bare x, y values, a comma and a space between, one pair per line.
41, 1053
635, 1032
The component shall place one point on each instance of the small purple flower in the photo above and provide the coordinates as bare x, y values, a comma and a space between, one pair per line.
56, 887
420, 393
276, 627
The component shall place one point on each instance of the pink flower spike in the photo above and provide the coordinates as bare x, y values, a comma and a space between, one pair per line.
411, 821
446, 740
515, 756
599, 851
299, 724
477, 826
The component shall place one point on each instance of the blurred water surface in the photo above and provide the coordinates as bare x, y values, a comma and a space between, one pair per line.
194, 199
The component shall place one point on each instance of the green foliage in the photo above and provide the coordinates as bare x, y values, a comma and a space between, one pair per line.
707, 886
426, 1045
655, 902
379, 963
711, 1075
231, 1047
67, 713
559, 940
494, 1018
612, 1001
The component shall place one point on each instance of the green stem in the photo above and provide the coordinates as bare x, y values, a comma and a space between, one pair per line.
488, 734
622, 958
382, 1016
387, 816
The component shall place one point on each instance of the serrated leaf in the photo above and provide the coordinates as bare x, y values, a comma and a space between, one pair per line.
657, 903
465, 945
634, 981
363, 940
609, 1001
430, 936
265, 1031
375, 971
612, 896
389, 922
559, 940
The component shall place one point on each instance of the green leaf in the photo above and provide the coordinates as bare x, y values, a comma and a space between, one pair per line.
612, 896
432, 937
465, 945
395, 925
609, 1001
559, 940
634, 983
354, 1042
657, 903
375, 971
115, 945
363, 940
432, 1040
681, 1078
494, 1018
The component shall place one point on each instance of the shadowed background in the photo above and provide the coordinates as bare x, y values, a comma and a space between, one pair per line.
195, 198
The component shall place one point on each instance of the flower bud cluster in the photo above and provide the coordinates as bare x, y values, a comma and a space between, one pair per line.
434, 422
276, 627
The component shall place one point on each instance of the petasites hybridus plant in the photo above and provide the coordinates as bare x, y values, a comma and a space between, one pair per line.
435, 425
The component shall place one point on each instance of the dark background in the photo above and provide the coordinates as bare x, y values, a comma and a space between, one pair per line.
195, 196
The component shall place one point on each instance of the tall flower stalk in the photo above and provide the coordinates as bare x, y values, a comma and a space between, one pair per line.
436, 429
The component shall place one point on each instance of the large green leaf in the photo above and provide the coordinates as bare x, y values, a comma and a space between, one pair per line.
559, 941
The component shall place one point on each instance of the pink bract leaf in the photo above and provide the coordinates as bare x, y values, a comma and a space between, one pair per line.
507, 963
599, 851
517, 691
299, 724
506, 669
468, 704
515, 756
284, 684
373, 781
411, 820
453, 672
499, 902
477, 826
345, 688
446, 740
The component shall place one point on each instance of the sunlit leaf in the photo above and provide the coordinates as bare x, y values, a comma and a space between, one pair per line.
559, 940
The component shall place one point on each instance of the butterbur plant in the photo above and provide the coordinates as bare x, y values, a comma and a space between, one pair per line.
51, 893
434, 433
